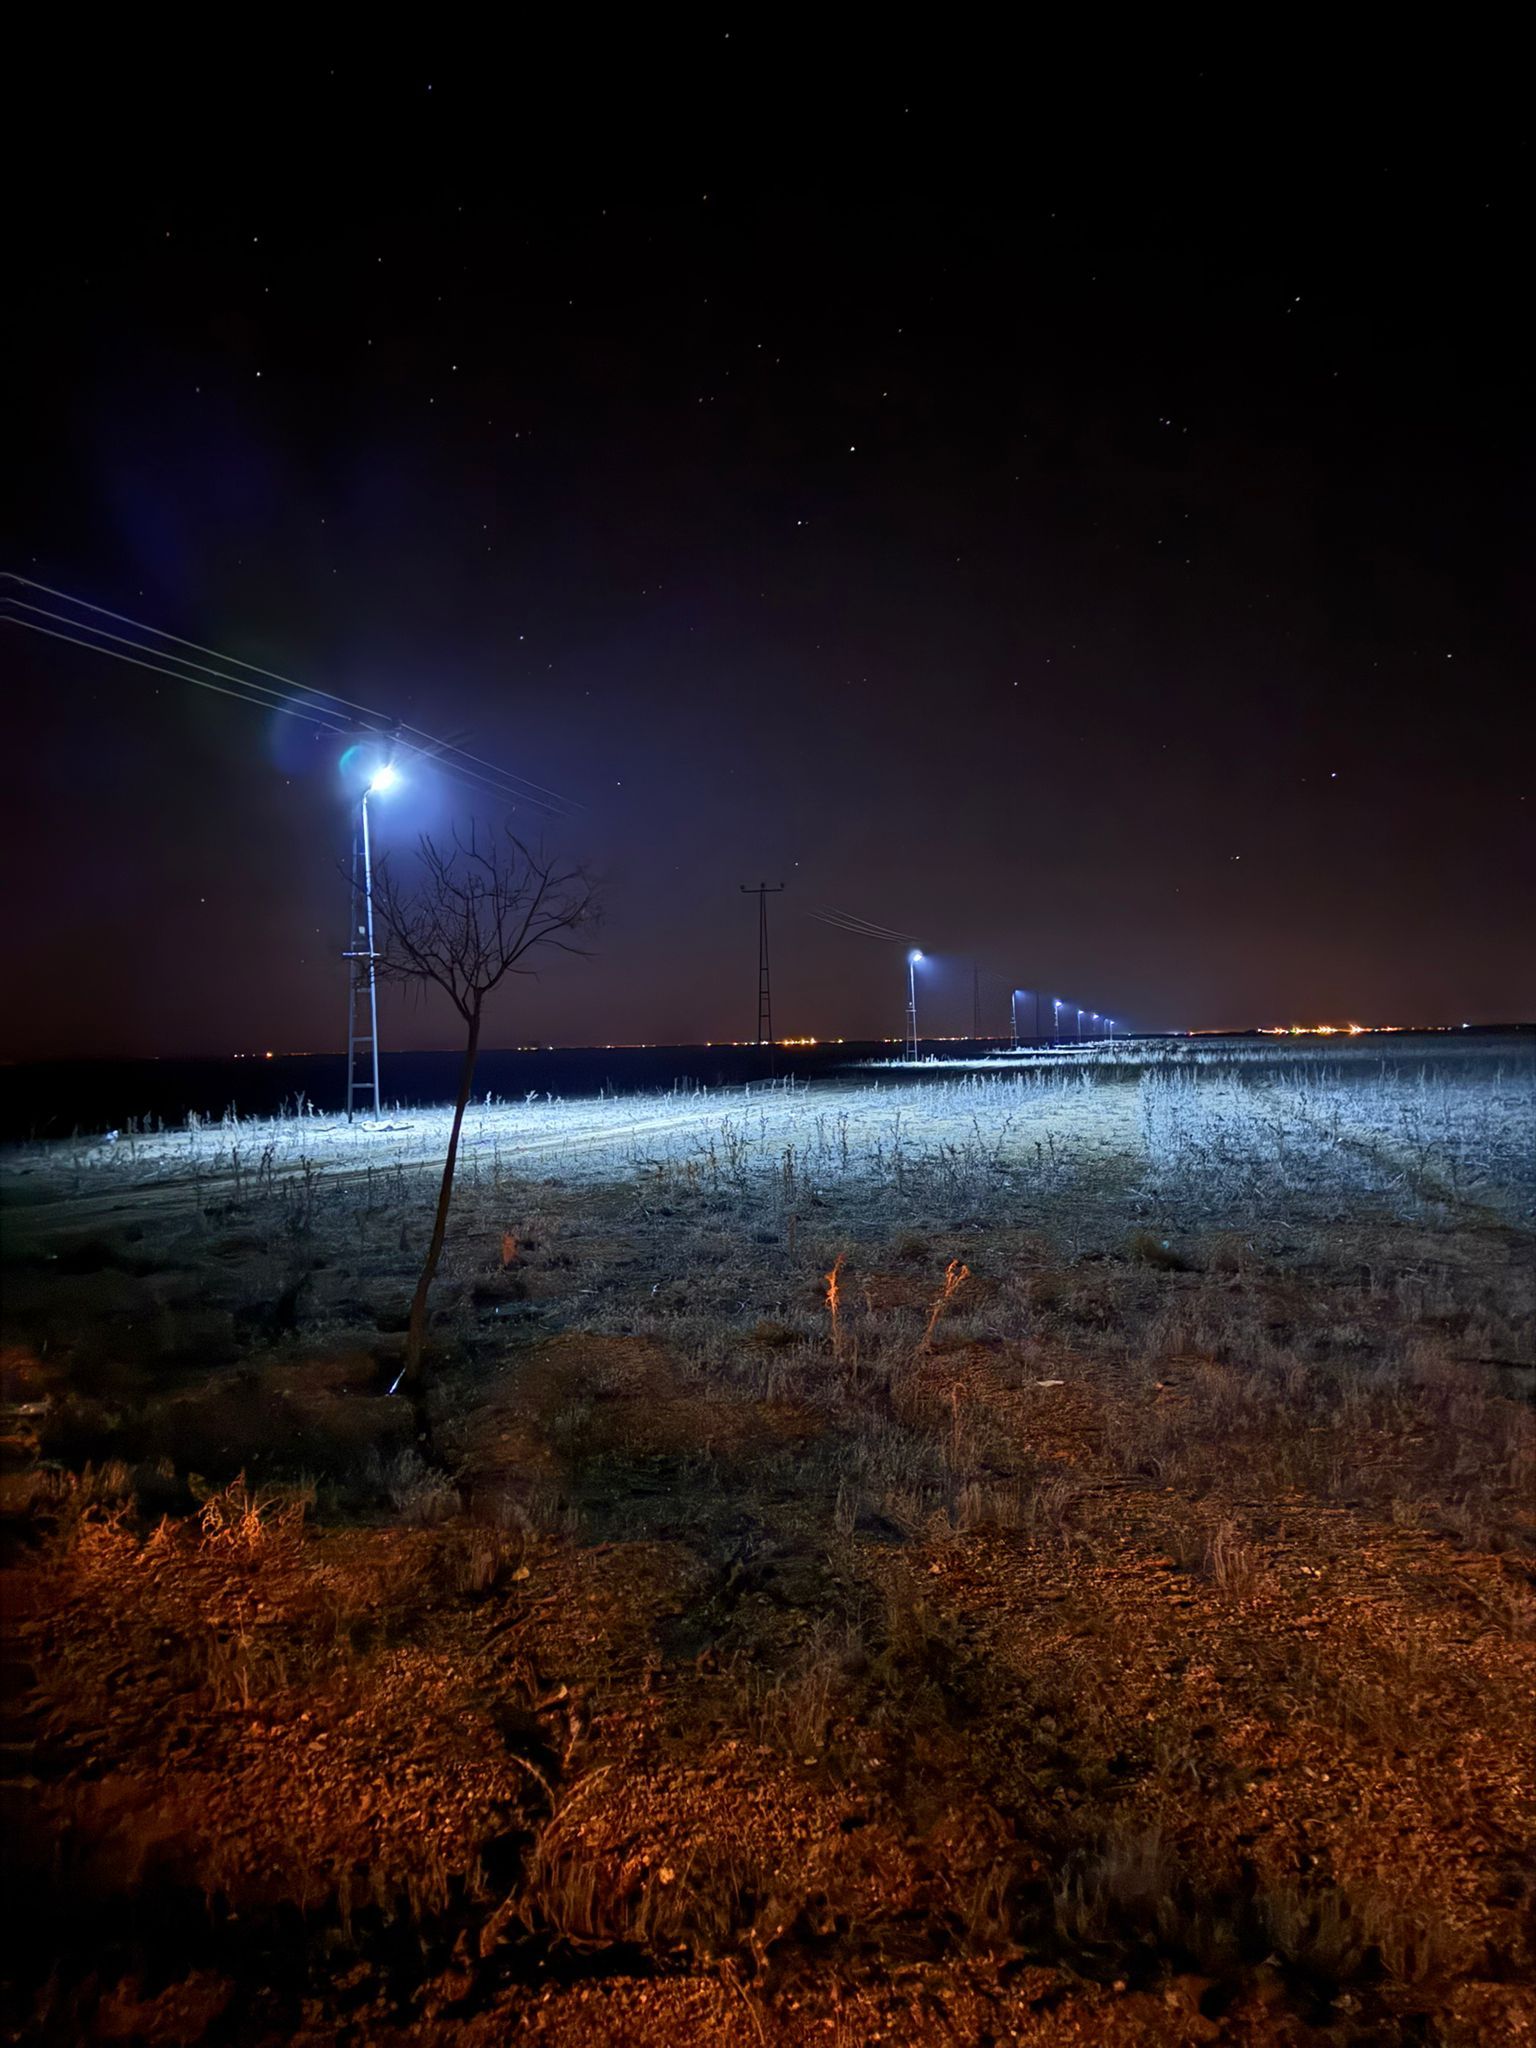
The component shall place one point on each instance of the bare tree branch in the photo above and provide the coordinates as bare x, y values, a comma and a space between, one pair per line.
475, 909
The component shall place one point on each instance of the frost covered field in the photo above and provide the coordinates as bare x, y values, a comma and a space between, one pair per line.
1038, 1549
1427, 1129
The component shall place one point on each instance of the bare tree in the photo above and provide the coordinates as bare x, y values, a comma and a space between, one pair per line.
476, 908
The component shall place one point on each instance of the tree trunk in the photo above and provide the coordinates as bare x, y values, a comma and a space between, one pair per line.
416, 1334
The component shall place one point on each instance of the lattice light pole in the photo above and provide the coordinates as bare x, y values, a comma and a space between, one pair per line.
363, 993
912, 959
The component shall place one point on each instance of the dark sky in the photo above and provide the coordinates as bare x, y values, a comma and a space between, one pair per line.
1071, 506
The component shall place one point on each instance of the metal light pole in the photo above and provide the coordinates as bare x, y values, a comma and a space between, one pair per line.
363, 1007
1013, 1011
1055, 1019
1079, 1024
912, 959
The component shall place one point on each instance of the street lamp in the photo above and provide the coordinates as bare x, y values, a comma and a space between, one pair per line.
1013, 1011
363, 1005
912, 959
1055, 1018
1079, 1023
1109, 1023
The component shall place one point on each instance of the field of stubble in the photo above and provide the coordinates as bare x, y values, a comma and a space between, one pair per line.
1042, 1555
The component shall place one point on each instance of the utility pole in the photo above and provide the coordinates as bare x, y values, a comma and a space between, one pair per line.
362, 973
363, 997
764, 987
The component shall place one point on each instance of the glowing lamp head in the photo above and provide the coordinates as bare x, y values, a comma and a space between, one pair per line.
913, 957
385, 779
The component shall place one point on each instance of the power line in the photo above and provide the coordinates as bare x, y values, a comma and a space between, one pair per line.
861, 927
309, 690
241, 694
178, 675
310, 702
269, 699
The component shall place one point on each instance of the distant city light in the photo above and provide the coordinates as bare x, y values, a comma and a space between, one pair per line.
1332, 1030
1338, 1031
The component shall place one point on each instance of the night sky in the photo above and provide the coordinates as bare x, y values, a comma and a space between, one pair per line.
1077, 517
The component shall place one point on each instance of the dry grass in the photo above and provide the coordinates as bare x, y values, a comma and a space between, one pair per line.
857, 1569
